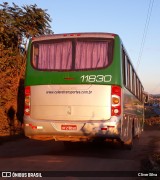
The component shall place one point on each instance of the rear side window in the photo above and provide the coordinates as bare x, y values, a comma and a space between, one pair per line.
72, 54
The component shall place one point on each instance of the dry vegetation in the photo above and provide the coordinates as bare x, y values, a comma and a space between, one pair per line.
16, 24
152, 121
11, 72
151, 118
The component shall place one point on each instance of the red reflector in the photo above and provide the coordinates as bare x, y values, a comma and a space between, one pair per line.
104, 128
116, 90
34, 127
27, 90
71, 34
65, 35
69, 78
78, 34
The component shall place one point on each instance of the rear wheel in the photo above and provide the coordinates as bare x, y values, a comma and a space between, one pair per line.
138, 134
129, 143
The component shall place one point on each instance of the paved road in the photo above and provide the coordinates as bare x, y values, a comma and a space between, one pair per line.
24, 154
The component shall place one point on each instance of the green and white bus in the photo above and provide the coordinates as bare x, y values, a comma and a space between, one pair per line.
80, 87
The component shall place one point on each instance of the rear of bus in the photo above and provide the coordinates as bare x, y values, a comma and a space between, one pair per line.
73, 87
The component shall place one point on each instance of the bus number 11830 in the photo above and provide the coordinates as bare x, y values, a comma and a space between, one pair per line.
96, 78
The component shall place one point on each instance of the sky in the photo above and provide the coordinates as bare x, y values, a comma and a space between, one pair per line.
127, 18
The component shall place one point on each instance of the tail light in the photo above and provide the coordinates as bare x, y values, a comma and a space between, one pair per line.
116, 101
27, 101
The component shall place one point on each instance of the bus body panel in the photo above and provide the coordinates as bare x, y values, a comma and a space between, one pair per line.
132, 115
61, 130
71, 102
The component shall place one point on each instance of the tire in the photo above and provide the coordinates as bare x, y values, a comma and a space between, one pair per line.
128, 144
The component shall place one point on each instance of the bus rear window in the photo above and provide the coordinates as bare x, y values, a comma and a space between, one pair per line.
72, 55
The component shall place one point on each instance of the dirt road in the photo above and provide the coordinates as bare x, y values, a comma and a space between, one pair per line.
23, 154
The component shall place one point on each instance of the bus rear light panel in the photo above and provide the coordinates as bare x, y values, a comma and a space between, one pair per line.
116, 101
27, 101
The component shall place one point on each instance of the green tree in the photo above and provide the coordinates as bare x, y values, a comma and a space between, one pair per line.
16, 22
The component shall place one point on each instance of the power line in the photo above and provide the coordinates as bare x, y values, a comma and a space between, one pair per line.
145, 32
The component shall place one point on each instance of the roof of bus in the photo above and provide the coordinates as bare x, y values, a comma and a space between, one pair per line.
75, 35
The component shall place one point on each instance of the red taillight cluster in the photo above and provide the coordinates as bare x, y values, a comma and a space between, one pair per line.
116, 101
27, 101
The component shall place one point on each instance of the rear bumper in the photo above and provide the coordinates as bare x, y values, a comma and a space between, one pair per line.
82, 131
